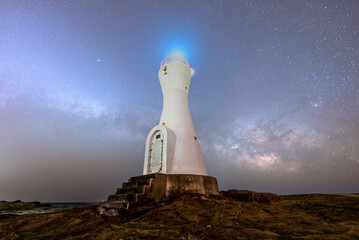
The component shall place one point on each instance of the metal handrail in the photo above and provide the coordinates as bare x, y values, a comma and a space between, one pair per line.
174, 58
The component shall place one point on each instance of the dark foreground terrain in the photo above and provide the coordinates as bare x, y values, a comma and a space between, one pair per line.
233, 215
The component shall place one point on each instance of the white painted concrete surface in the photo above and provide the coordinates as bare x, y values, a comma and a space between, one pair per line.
181, 149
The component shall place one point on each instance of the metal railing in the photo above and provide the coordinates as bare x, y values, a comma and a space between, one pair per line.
174, 58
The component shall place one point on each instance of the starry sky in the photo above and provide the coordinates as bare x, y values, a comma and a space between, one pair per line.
274, 100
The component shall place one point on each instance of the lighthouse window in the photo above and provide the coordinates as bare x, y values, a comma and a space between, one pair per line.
158, 136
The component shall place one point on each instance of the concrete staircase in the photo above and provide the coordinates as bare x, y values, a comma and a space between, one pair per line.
132, 193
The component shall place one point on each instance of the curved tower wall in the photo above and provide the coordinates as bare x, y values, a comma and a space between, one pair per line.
182, 154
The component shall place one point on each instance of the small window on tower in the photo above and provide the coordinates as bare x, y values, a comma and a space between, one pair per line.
158, 136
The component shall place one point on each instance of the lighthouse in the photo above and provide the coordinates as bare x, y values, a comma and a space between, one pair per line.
173, 163
172, 146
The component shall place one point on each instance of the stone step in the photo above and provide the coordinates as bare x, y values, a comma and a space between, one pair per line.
122, 198
136, 183
130, 196
141, 178
131, 190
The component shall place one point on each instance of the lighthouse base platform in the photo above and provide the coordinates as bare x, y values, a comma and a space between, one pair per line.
152, 190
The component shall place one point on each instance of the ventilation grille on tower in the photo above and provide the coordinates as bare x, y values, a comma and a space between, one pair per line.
174, 58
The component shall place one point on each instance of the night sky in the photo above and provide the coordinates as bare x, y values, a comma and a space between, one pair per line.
274, 100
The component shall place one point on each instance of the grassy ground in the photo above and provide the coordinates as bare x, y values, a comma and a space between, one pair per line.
309, 216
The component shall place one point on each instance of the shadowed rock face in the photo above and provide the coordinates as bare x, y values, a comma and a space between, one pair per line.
231, 215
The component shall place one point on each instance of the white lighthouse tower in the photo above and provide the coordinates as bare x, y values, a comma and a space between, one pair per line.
173, 160
172, 146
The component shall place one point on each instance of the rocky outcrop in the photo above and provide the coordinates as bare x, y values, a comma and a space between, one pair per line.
196, 216
249, 196
18, 205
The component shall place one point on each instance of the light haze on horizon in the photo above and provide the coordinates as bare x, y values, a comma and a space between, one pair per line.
274, 99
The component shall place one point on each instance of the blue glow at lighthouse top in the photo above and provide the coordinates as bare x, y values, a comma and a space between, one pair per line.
178, 46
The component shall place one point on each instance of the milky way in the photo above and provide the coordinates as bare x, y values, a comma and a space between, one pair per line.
274, 100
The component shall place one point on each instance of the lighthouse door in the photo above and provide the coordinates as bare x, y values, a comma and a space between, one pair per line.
156, 153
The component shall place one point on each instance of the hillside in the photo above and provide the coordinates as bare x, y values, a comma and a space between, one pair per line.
232, 215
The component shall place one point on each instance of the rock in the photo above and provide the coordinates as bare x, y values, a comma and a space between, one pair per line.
107, 212
18, 205
4, 206
249, 196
